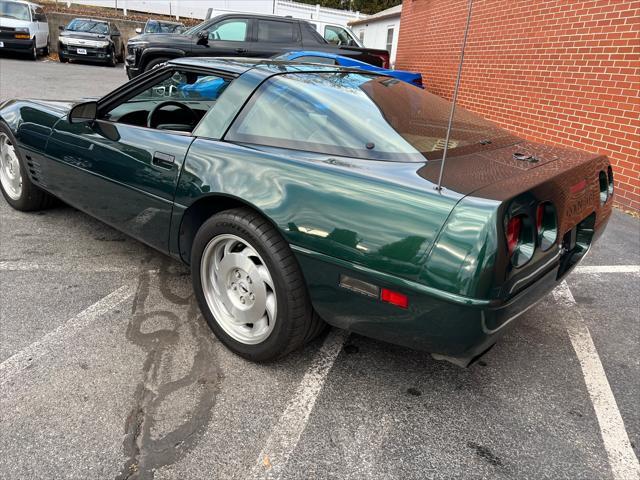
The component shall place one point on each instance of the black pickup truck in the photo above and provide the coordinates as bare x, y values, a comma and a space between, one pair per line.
239, 35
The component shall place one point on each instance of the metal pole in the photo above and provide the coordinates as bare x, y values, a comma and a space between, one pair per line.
455, 98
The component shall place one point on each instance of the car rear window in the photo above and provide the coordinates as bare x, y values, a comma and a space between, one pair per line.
357, 115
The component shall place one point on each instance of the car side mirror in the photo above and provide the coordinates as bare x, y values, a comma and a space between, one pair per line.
203, 37
83, 112
61, 27
138, 30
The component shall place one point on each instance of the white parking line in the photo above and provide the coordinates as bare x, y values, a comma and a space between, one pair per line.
624, 463
608, 269
21, 360
22, 266
286, 434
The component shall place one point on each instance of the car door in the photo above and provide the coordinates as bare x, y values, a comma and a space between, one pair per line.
121, 172
41, 26
274, 37
227, 38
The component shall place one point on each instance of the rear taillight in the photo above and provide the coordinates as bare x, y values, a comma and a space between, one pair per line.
520, 236
514, 227
384, 59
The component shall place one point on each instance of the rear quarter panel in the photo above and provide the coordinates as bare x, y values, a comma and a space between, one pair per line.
381, 215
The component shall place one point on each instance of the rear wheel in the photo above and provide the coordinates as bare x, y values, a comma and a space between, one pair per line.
16, 187
249, 286
46, 50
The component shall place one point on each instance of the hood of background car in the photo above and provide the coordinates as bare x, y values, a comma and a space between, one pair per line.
83, 35
171, 39
13, 22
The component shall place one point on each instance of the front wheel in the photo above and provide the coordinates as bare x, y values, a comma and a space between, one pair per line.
249, 286
154, 63
33, 54
15, 184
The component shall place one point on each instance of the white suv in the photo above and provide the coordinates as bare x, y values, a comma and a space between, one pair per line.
23, 28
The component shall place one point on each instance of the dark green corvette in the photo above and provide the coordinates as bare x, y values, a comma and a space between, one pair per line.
304, 194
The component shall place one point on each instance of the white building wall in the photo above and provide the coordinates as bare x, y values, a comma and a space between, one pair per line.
375, 34
199, 8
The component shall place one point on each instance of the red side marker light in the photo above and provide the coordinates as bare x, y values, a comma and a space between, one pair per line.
578, 187
394, 298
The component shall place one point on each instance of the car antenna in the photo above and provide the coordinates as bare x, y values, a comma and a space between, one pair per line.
455, 98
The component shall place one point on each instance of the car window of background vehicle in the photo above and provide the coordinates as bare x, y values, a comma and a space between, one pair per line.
89, 26
232, 30
18, 11
275, 32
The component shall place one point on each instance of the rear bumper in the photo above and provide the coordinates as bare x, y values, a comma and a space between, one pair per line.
16, 45
453, 327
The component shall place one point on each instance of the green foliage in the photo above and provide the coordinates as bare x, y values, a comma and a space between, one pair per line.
364, 6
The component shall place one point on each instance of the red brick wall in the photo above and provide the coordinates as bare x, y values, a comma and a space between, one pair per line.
563, 72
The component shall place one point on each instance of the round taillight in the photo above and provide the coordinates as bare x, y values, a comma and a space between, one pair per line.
610, 178
514, 226
519, 232
546, 225
604, 187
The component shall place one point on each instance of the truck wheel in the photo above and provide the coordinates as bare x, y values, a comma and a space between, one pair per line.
62, 58
46, 50
16, 187
154, 63
33, 54
249, 286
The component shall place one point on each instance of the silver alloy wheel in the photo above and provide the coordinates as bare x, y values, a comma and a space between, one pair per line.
10, 174
238, 288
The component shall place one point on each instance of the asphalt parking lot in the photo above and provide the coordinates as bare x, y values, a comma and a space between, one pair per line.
107, 370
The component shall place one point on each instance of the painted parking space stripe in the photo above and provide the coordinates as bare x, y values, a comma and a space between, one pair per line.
608, 269
624, 464
285, 436
21, 360
22, 266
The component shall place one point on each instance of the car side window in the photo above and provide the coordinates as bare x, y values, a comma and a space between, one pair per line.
196, 91
337, 35
327, 113
273, 31
232, 30
39, 15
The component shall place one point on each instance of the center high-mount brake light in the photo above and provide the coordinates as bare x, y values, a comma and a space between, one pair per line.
513, 233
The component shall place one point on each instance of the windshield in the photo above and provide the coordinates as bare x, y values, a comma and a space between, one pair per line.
18, 11
88, 26
160, 27
357, 115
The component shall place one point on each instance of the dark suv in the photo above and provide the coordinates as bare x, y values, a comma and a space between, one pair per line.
239, 35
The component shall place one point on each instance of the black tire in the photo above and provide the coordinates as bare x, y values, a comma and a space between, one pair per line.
154, 63
294, 318
121, 57
46, 50
62, 58
33, 54
113, 61
31, 197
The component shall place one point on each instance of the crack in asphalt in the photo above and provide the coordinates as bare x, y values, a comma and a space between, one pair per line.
146, 454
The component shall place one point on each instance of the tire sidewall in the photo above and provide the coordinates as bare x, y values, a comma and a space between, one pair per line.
273, 345
23, 202
152, 63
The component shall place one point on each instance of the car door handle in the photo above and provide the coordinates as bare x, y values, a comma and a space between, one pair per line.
241, 50
163, 160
